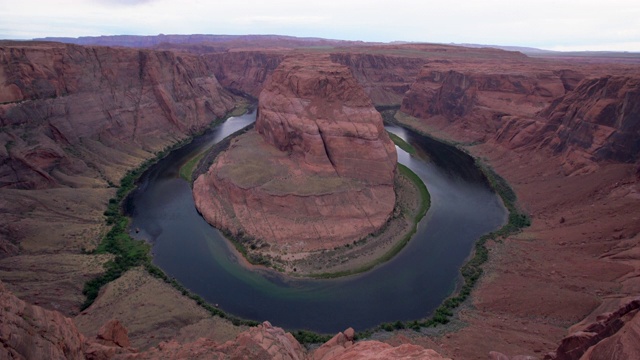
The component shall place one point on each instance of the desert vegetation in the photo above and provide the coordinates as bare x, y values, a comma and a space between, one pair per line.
402, 144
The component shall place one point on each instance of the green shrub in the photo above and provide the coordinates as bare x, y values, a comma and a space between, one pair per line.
310, 337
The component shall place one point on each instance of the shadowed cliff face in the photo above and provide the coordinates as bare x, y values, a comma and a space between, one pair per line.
583, 120
601, 116
385, 78
244, 71
451, 94
596, 122
478, 99
69, 115
316, 173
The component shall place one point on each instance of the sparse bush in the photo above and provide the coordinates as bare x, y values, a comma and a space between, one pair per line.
387, 326
310, 337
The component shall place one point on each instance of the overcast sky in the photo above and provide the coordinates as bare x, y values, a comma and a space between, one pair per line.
547, 24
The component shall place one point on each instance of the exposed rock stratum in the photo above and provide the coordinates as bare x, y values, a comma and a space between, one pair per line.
31, 332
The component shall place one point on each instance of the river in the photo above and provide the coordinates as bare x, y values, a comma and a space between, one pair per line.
409, 286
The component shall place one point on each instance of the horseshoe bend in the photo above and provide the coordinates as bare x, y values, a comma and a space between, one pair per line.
80, 124
316, 173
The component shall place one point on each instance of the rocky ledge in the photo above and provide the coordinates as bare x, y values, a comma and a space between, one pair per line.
31, 332
318, 170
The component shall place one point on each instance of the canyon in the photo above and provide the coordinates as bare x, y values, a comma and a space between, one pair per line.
562, 131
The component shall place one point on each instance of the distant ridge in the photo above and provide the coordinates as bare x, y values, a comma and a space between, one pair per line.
531, 51
218, 43
156, 40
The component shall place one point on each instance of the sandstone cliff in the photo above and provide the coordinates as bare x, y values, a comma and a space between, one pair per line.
73, 120
601, 116
598, 121
244, 71
71, 114
583, 119
476, 99
384, 77
614, 335
316, 173
31, 332
316, 110
581, 250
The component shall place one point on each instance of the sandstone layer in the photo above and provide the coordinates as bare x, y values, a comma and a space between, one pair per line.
385, 72
67, 111
316, 173
31, 332
478, 98
244, 72
598, 120
584, 119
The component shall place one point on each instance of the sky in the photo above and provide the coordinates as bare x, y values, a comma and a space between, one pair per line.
565, 25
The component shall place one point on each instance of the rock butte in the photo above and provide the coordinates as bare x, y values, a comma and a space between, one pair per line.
317, 172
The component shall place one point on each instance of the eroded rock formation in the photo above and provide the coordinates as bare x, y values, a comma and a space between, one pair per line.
384, 77
601, 117
71, 114
244, 71
614, 335
584, 119
73, 121
316, 173
317, 112
477, 99
343, 347
31, 332
598, 121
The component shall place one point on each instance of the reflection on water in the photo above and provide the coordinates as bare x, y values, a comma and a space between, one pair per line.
408, 287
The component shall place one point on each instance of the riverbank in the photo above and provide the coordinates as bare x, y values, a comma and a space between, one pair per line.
454, 202
567, 265
412, 203
191, 166
128, 252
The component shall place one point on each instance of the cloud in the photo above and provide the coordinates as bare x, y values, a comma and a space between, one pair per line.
540, 23
278, 20
124, 2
